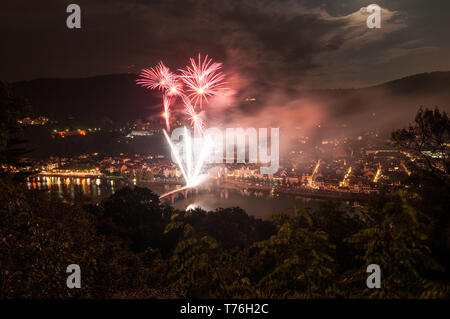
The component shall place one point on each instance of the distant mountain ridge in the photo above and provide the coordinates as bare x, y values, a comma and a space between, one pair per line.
117, 97
420, 82
431, 81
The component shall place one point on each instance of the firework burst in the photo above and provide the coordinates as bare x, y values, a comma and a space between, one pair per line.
191, 164
159, 78
203, 79
194, 117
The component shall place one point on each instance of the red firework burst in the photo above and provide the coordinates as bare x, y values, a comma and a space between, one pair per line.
159, 78
203, 79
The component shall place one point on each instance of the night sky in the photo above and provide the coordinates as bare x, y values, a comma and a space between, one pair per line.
290, 44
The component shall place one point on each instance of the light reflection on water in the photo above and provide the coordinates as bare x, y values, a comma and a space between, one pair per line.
256, 203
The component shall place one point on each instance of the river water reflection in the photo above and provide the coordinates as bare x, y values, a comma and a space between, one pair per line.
255, 203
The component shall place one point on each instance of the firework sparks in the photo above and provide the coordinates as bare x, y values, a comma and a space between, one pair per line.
194, 117
174, 87
166, 114
159, 78
189, 164
203, 79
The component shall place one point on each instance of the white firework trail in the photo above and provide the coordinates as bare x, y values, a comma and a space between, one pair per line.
192, 165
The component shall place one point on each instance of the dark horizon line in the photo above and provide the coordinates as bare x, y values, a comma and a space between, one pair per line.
134, 74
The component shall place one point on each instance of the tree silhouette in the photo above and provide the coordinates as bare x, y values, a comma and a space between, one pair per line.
428, 139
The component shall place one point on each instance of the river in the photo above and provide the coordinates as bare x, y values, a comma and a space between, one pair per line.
209, 197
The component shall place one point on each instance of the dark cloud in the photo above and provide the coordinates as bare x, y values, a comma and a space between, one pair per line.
281, 44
